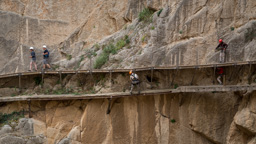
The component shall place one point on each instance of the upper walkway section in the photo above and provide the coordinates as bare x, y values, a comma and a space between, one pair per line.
135, 69
182, 89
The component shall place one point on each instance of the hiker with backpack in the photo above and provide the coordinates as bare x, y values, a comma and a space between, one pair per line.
222, 48
134, 81
33, 59
46, 55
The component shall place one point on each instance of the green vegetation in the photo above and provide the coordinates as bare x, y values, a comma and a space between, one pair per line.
110, 49
143, 38
146, 15
101, 60
8, 118
120, 44
180, 31
159, 12
153, 28
126, 37
127, 41
69, 57
38, 80
55, 67
97, 47
176, 86
79, 62
232, 28
91, 53
173, 120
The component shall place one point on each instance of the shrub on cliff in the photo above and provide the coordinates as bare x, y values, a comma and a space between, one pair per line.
146, 15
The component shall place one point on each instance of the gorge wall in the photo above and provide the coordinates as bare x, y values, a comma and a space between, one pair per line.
185, 32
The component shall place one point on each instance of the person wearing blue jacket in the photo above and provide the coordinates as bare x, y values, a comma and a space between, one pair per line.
46, 56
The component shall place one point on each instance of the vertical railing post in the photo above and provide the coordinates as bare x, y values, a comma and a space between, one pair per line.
20, 82
42, 84
214, 74
151, 81
60, 73
29, 108
110, 78
249, 74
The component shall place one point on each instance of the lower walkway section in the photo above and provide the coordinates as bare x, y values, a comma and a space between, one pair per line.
214, 88
83, 96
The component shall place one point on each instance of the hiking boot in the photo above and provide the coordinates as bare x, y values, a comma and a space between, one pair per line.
29, 70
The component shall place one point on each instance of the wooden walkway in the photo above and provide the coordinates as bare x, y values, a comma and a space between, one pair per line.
127, 70
83, 96
182, 89
214, 88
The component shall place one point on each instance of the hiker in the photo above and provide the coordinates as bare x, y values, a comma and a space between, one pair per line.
220, 72
33, 59
134, 81
46, 55
222, 48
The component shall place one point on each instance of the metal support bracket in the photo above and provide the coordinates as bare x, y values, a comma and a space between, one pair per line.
109, 105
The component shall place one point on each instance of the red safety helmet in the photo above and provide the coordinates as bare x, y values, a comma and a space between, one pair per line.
220, 41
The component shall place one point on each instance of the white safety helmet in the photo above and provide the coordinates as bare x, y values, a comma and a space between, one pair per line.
44, 46
31, 48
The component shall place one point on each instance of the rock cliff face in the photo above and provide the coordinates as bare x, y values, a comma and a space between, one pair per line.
181, 32
185, 118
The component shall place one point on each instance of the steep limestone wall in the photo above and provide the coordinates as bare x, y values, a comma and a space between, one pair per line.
185, 33
199, 118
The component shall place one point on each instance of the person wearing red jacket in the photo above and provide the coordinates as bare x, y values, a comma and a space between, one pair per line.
220, 72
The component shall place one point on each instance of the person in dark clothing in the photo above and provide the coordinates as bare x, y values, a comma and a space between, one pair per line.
222, 48
220, 72
33, 59
46, 55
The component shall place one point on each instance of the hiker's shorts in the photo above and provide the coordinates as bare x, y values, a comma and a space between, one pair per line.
135, 82
33, 61
45, 61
